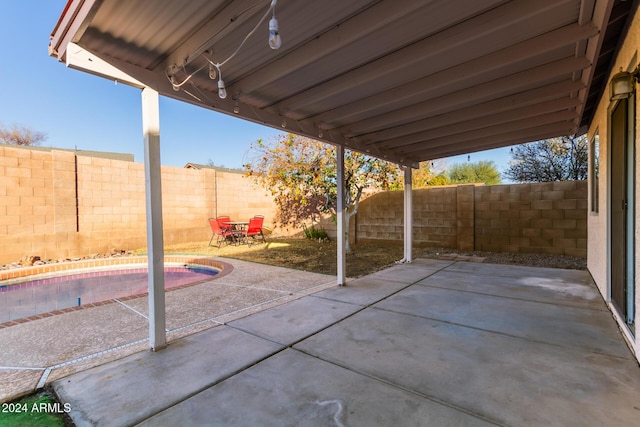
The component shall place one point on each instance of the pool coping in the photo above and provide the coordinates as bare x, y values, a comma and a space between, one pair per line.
69, 267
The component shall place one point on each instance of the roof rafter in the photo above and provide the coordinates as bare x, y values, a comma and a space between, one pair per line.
524, 80
550, 93
411, 143
428, 52
564, 106
477, 71
494, 141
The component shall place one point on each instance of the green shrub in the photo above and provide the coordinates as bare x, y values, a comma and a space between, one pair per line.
314, 233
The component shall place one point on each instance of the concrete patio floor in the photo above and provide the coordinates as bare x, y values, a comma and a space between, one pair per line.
430, 343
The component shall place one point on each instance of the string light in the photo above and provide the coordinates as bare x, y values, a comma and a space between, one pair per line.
222, 91
274, 34
275, 42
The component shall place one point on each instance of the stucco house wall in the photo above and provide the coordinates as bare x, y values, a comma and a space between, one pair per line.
598, 254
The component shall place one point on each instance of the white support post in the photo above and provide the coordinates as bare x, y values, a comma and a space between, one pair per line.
155, 240
408, 215
340, 208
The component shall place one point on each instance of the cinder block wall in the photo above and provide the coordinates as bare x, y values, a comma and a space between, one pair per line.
58, 204
548, 217
241, 198
381, 217
536, 218
27, 198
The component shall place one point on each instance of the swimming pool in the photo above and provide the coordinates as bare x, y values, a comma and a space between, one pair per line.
90, 286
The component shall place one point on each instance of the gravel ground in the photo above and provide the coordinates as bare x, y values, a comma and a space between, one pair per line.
533, 260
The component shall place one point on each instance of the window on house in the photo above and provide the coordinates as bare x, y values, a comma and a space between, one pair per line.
594, 172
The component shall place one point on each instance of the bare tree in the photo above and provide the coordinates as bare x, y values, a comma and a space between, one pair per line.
301, 174
556, 159
20, 135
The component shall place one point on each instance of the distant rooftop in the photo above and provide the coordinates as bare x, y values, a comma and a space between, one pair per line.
218, 168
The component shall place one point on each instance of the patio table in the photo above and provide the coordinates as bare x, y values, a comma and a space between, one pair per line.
236, 228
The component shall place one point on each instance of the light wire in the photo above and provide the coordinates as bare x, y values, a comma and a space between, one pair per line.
235, 52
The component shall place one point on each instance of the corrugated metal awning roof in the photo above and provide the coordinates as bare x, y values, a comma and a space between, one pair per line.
404, 80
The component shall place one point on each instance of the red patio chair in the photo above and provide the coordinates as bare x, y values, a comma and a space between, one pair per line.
221, 222
259, 222
254, 229
222, 234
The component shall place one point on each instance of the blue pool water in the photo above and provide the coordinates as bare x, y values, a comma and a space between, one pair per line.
56, 293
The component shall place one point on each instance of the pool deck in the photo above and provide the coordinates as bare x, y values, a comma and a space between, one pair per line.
38, 351
428, 343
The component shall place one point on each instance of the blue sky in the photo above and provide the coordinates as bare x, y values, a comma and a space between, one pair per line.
79, 110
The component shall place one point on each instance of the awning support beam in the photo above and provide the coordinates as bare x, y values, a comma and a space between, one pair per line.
340, 211
408, 215
155, 240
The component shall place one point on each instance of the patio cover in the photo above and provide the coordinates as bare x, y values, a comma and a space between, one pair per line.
402, 80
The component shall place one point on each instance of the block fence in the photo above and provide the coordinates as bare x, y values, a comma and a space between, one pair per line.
60, 204
63, 204
535, 218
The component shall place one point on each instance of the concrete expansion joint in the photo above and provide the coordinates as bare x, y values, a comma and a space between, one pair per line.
363, 307
573, 306
400, 387
131, 308
20, 368
48, 370
194, 325
492, 331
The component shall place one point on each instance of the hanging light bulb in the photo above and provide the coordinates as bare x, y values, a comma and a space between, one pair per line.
222, 91
175, 87
213, 74
236, 108
274, 36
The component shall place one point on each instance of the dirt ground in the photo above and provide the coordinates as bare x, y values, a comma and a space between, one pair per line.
320, 256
